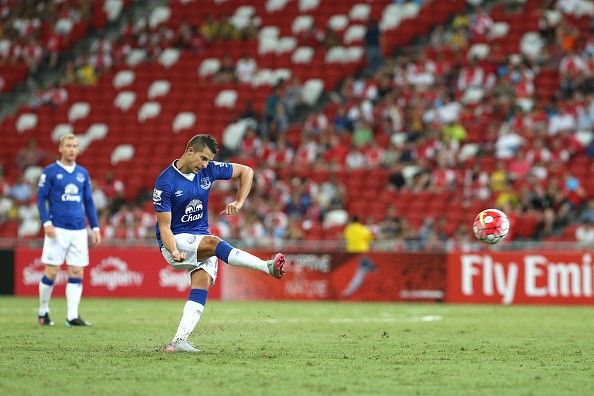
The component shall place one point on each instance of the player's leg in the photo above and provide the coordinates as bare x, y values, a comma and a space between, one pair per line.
200, 283
53, 254
215, 246
46, 286
77, 258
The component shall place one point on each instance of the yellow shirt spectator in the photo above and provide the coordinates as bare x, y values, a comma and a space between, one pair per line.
357, 237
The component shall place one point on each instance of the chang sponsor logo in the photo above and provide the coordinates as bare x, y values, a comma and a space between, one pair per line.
179, 280
71, 193
193, 211
113, 272
34, 271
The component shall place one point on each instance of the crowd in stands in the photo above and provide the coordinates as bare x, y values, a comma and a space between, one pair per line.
438, 119
34, 32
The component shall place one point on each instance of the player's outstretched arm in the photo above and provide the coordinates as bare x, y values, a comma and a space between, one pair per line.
164, 221
245, 175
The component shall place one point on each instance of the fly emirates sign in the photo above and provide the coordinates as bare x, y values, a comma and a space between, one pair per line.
521, 278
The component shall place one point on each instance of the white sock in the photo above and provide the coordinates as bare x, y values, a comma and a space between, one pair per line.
189, 320
240, 258
73, 294
45, 293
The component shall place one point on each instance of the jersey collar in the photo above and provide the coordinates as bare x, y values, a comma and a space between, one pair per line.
67, 168
189, 176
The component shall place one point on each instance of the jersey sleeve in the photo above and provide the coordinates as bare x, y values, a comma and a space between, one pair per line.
162, 195
90, 208
221, 170
43, 189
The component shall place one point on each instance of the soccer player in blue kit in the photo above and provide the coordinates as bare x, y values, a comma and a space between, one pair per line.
64, 197
180, 198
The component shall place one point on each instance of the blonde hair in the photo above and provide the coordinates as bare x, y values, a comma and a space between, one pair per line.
65, 137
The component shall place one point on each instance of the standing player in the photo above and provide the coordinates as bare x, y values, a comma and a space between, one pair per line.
65, 189
180, 198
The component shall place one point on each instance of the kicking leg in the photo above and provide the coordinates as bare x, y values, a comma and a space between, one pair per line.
46, 285
200, 283
214, 246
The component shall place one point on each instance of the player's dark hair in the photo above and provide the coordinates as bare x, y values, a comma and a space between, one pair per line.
198, 142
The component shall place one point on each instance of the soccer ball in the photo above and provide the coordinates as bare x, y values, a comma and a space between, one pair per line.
491, 226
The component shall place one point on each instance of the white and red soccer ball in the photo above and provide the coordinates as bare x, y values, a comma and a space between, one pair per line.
491, 226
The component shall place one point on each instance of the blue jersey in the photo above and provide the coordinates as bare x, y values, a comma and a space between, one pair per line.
64, 197
186, 197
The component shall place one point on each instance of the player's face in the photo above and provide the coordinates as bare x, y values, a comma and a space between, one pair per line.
69, 149
199, 159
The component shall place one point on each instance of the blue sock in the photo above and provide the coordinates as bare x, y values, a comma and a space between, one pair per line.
47, 281
223, 250
74, 280
198, 295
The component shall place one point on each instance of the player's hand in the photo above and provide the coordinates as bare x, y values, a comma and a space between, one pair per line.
50, 230
96, 237
178, 256
232, 208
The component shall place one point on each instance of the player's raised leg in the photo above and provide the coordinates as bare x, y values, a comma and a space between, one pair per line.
200, 283
46, 286
214, 246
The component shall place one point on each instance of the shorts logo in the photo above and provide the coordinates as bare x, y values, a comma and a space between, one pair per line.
205, 183
191, 239
71, 193
80, 178
157, 195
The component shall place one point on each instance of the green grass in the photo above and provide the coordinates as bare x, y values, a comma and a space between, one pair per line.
298, 348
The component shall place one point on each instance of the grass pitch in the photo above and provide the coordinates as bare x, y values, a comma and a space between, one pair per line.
298, 348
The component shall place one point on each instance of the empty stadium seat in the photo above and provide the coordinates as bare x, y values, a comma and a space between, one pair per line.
135, 57
354, 33
122, 152
226, 98
338, 22
149, 110
498, 30
25, 122
478, 51
125, 100
312, 89
97, 131
275, 5
360, 12
169, 57
209, 67
307, 5
302, 55
79, 110
158, 88
113, 9
123, 78
61, 130
302, 23
159, 15
184, 120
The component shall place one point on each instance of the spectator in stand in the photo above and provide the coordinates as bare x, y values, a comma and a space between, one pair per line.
21, 191
373, 46
210, 29
584, 234
30, 155
226, 73
358, 238
293, 97
245, 69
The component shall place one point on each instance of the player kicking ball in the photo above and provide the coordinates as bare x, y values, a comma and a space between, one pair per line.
64, 197
180, 199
